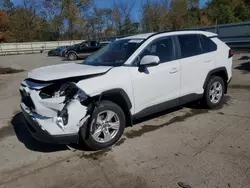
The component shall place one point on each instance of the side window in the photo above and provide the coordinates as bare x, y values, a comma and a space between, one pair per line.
207, 44
93, 43
163, 48
190, 45
83, 45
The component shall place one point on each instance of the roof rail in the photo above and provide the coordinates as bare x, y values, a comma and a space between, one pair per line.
168, 31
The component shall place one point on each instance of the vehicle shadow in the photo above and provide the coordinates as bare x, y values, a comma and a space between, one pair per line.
244, 67
244, 58
156, 115
194, 105
24, 136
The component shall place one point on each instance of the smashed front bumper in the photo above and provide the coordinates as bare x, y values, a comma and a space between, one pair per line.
42, 117
40, 133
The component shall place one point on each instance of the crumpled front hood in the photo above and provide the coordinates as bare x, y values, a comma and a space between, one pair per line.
68, 70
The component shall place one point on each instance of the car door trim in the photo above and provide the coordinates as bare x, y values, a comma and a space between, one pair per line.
167, 105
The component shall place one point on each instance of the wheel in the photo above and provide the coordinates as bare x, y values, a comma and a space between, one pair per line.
72, 56
109, 126
214, 92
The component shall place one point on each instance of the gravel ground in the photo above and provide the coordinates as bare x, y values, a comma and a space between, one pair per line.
186, 147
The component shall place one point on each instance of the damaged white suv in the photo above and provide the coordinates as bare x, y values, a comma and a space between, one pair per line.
132, 77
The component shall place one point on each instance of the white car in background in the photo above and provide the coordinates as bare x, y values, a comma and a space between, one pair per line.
128, 79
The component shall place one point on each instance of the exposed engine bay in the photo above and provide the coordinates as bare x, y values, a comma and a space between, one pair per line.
58, 108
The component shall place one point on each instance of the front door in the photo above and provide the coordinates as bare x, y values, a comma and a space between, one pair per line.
158, 86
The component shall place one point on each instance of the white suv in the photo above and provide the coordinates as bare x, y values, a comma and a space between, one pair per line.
132, 77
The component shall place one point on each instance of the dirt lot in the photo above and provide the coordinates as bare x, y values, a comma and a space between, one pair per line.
186, 147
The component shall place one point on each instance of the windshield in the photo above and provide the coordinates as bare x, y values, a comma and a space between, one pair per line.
114, 54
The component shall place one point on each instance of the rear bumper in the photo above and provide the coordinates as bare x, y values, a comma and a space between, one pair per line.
44, 136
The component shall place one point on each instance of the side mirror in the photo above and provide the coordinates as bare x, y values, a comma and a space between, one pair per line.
150, 60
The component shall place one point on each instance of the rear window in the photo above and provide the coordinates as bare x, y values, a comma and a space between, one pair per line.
190, 45
207, 44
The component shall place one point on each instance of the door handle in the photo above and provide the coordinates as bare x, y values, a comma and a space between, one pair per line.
173, 70
207, 61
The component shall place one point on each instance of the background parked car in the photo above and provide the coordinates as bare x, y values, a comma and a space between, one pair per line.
63, 52
56, 52
83, 50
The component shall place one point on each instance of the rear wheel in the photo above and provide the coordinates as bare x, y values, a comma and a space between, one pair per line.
214, 92
72, 56
108, 127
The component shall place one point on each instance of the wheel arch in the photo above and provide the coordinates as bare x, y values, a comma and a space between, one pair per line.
222, 72
71, 51
120, 97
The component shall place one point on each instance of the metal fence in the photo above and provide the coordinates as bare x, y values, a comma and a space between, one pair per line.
229, 33
235, 35
33, 47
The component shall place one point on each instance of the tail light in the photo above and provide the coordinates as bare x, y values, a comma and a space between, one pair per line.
231, 53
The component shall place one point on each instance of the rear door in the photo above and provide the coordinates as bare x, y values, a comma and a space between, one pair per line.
197, 59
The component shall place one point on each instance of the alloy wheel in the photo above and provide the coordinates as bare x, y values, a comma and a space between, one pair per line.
72, 57
215, 92
106, 127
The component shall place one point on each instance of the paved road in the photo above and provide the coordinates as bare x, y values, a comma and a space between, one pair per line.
187, 145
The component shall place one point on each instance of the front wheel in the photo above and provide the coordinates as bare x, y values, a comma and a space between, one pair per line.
72, 56
214, 92
108, 127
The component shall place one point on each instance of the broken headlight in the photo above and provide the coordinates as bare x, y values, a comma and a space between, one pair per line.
71, 91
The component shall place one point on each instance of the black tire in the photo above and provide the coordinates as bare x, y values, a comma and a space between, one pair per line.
207, 98
85, 132
72, 56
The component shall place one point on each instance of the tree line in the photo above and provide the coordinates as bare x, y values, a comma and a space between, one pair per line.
47, 20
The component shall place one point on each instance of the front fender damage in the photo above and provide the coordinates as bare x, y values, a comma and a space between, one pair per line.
72, 117
72, 107
75, 112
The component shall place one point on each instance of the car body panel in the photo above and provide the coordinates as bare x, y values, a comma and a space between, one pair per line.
117, 78
67, 70
194, 71
156, 85
221, 57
